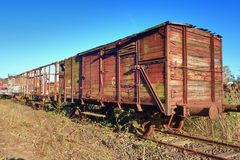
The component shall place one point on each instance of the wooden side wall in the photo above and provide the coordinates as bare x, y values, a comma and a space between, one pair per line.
97, 75
68, 71
151, 48
176, 62
218, 70
61, 78
109, 77
199, 73
199, 65
152, 51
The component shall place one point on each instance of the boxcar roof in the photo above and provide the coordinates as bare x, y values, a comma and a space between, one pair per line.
143, 32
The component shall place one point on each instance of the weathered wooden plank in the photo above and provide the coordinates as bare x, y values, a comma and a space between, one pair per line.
156, 75
152, 46
86, 80
176, 63
127, 78
196, 93
109, 78
95, 76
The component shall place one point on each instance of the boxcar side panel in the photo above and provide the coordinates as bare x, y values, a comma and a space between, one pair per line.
86, 76
109, 77
156, 75
127, 78
194, 83
152, 46
218, 69
152, 60
68, 77
199, 66
61, 78
176, 63
94, 76
76, 71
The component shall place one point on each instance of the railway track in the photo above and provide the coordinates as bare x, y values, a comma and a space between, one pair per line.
199, 146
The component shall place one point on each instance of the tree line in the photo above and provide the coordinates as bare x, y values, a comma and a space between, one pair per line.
228, 75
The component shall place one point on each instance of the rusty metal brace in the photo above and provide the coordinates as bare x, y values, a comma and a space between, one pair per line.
150, 87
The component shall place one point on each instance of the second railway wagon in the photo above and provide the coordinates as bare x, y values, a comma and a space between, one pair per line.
173, 67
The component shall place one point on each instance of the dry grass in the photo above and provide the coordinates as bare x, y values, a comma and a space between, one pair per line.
38, 135
225, 128
233, 97
31, 134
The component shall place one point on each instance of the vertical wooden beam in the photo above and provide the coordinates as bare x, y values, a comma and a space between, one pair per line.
24, 83
65, 82
40, 81
44, 81
90, 76
118, 78
81, 78
167, 71
212, 68
27, 82
36, 86
55, 80
34, 81
101, 74
184, 54
72, 80
222, 99
49, 80
137, 75
30, 83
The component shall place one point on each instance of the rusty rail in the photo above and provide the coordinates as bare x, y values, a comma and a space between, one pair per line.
206, 140
185, 149
198, 151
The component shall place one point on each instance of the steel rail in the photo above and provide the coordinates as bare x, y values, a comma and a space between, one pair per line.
205, 140
185, 149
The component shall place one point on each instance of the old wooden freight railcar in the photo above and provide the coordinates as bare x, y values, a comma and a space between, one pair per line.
173, 67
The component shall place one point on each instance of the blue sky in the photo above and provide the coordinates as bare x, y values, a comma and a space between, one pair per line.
38, 32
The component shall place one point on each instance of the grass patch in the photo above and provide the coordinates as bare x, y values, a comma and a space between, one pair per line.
36, 134
225, 128
46, 134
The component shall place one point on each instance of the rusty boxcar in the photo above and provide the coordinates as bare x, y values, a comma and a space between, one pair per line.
173, 67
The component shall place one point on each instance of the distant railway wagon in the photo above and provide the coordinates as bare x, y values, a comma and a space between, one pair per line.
3, 87
1, 84
174, 68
